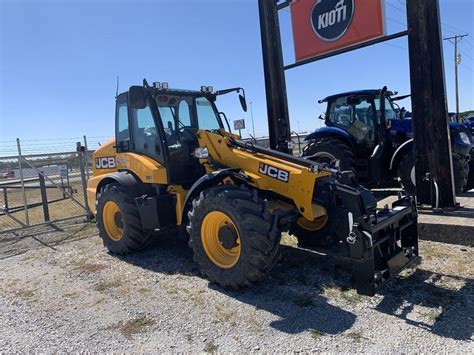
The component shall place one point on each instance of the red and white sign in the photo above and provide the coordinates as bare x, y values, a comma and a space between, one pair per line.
323, 26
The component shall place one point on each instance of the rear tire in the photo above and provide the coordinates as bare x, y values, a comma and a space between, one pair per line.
406, 172
470, 179
461, 173
328, 149
119, 223
252, 253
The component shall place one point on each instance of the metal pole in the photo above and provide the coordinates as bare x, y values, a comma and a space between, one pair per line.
456, 77
5, 196
44, 197
430, 111
80, 155
275, 86
87, 157
27, 219
457, 60
251, 114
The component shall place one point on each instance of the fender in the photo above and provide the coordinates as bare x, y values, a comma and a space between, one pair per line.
398, 153
208, 181
133, 184
335, 132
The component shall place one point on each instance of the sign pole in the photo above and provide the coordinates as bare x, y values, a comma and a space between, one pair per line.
433, 160
275, 86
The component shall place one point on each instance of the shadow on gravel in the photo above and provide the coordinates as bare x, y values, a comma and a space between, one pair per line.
293, 292
46, 236
422, 289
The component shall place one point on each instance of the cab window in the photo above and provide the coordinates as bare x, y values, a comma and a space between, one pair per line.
145, 133
207, 118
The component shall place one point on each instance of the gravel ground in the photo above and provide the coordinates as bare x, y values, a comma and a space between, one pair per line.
61, 291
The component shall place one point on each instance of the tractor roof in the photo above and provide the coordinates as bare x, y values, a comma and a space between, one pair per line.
354, 93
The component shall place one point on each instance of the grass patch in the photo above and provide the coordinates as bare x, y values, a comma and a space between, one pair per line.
351, 296
211, 348
134, 326
25, 293
316, 334
356, 336
224, 313
143, 290
71, 294
107, 285
89, 267
97, 301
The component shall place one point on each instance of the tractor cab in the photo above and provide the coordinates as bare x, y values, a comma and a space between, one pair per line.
363, 115
367, 132
162, 124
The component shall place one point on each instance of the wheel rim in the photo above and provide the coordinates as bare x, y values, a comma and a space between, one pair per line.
112, 218
323, 157
413, 176
211, 236
313, 226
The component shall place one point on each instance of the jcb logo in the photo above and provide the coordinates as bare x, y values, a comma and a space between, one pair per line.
105, 163
273, 172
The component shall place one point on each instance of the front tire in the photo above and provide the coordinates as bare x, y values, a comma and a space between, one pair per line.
234, 238
119, 223
406, 172
329, 149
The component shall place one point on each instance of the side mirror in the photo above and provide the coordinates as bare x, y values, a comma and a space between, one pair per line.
243, 102
322, 116
137, 97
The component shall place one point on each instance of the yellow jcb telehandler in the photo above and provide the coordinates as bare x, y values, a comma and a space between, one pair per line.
173, 166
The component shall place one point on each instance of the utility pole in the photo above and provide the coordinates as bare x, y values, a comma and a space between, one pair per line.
457, 60
433, 162
251, 115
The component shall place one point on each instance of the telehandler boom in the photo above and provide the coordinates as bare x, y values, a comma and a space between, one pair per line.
173, 167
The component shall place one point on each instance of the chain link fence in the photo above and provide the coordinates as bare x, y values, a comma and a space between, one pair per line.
38, 189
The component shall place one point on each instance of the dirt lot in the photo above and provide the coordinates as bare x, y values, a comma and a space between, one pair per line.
61, 291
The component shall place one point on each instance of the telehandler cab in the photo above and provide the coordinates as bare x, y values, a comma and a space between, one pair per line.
173, 167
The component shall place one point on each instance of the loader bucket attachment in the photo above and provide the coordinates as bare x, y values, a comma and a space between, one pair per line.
381, 242
381, 247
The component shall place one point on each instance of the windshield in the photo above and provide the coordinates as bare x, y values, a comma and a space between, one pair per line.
390, 113
181, 113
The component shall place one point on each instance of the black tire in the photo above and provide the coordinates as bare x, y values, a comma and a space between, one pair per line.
461, 173
257, 229
470, 178
316, 238
333, 147
460, 168
133, 238
405, 173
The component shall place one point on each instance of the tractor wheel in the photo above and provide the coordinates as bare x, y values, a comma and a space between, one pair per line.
312, 234
461, 173
119, 223
406, 172
470, 179
329, 149
234, 238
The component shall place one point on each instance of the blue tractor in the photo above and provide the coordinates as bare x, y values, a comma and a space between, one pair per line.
367, 132
469, 121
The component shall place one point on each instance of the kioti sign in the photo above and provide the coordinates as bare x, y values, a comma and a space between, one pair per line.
322, 26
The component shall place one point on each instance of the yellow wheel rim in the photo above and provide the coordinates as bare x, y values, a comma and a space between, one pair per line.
112, 219
216, 252
313, 226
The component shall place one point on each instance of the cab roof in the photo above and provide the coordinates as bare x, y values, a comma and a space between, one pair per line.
373, 92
